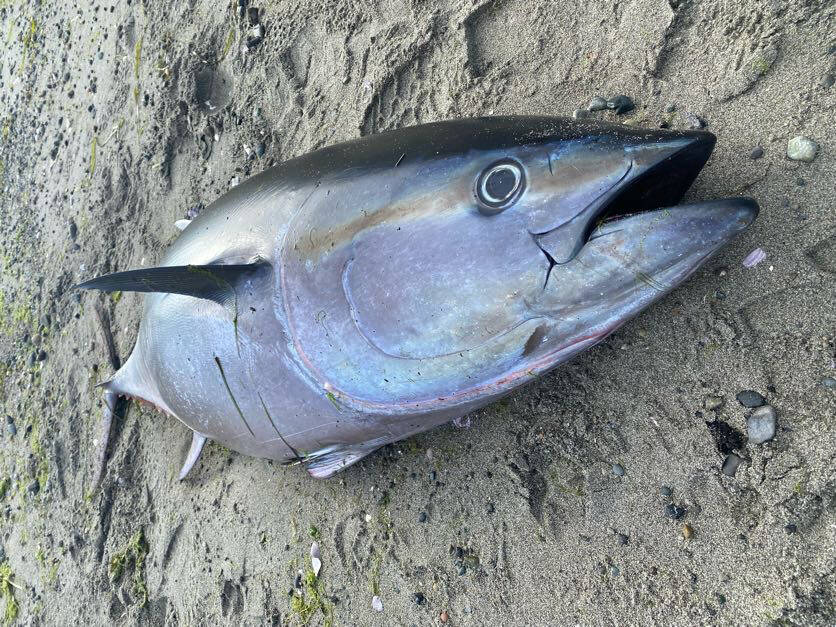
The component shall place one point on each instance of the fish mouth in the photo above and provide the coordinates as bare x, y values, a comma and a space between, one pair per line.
660, 168
659, 184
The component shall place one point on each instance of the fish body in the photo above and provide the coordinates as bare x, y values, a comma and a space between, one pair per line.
374, 289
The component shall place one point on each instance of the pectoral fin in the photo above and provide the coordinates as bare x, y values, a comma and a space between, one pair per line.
327, 462
213, 282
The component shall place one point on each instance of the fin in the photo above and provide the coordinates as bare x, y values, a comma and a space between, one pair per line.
194, 454
213, 282
327, 462
182, 224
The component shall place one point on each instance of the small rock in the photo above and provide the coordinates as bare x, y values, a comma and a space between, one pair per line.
750, 398
490, 508
443, 617
422, 517
790, 528
419, 599
693, 120
34, 487
621, 104
713, 402
687, 531
11, 429
2, 555
579, 114
761, 424
377, 604
665, 491
829, 382
615, 571
802, 148
757, 153
596, 104
618, 470
670, 108
675, 512
41, 355
73, 230
623, 540
260, 149
828, 80
252, 15
731, 464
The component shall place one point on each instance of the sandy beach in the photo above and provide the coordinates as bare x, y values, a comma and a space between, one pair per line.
627, 487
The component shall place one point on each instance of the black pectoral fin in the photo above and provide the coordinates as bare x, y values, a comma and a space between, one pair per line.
213, 282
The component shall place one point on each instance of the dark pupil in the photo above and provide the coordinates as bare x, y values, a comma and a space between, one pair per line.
500, 184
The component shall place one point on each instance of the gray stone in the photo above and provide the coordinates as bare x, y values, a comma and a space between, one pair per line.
596, 104
750, 398
761, 424
731, 464
579, 114
618, 470
802, 148
829, 382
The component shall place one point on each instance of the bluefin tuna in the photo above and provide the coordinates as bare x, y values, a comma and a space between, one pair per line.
374, 289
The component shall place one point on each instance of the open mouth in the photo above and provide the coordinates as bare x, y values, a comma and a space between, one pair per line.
663, 184
660, 172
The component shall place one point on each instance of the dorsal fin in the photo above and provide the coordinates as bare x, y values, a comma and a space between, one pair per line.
213, 282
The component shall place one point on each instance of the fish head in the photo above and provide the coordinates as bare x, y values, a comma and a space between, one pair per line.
498, 246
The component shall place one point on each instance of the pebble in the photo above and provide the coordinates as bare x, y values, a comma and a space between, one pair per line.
41, 355
731, 464
713, 402
419, 598
790, 528
828, 80
623, 540
11, 429
621, 104
377, 604
73, 230
761, 424
750, 398
259, 149
694, 121
618, 470
802, 148
422, 517
757, 153
34, 487
670, 108
444, 616
596, 104
579, 114
829, 382
665, 491
675, 512
687, 531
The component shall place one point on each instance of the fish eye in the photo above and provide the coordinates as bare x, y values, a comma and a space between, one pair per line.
498, 186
